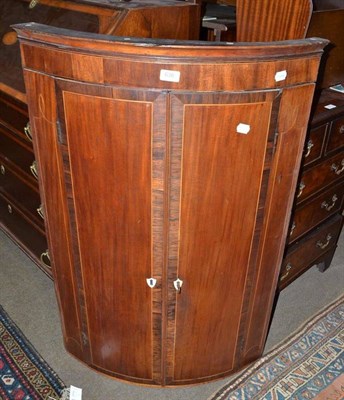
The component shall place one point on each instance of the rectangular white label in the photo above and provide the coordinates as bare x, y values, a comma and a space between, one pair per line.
243, 128
75, 393
169, 76
330, 106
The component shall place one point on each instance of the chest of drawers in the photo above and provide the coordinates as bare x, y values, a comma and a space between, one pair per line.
20, 205
317, 215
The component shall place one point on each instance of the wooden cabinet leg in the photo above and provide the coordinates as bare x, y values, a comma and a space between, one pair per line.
326, 261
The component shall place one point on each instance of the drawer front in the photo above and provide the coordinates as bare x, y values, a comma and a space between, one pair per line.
320, 176
318, 210
17, 154
336, 138
21, 192
301, 255
15, 118
30, 239
314, 144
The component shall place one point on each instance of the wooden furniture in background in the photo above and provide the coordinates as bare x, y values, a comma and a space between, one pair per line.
329, 24
317, 215
317, 219
270, 20
261, 21
167, 193
22, 214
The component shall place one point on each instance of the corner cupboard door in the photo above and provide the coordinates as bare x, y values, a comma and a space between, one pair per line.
112, 144
221, 149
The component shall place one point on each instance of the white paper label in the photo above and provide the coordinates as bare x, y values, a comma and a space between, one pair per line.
280, 75
330, 106
169, 76
75, 393
243, 128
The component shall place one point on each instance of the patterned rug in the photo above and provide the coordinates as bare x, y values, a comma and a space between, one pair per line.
308, 365
24, 375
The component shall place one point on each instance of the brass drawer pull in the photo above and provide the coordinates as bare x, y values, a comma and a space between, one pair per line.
327, 206
33, 3
310, 144
27, 131
336, 168
301, 187
40, 211
292, 228
324, 245
2, 169
288, 269
34, 170
341, 129
45, 257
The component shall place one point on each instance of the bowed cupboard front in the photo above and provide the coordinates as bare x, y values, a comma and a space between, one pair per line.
167, 171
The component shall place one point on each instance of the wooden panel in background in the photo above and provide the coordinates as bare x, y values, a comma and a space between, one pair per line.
271, 20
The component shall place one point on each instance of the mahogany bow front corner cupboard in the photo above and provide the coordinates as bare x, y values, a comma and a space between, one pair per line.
167, 171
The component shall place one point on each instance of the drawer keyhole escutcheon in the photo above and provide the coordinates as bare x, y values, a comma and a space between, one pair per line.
338, 169
178, 283
3, 170
328, 206
151, 282
324, 245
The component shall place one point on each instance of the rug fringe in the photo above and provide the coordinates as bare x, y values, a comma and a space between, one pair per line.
65, 394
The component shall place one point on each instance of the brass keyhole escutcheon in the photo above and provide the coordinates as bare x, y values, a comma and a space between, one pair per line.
10, 38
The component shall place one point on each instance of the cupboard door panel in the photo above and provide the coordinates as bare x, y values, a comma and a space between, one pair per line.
219, 203
109, 167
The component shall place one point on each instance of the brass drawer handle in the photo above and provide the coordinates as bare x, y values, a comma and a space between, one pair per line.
301, 187
324, 245
40, 211
336, 168
288, 269
310, 144
292, 228
34, 170
45, 256
341, 129
2, 169
328, 207
33, 3
27, 131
